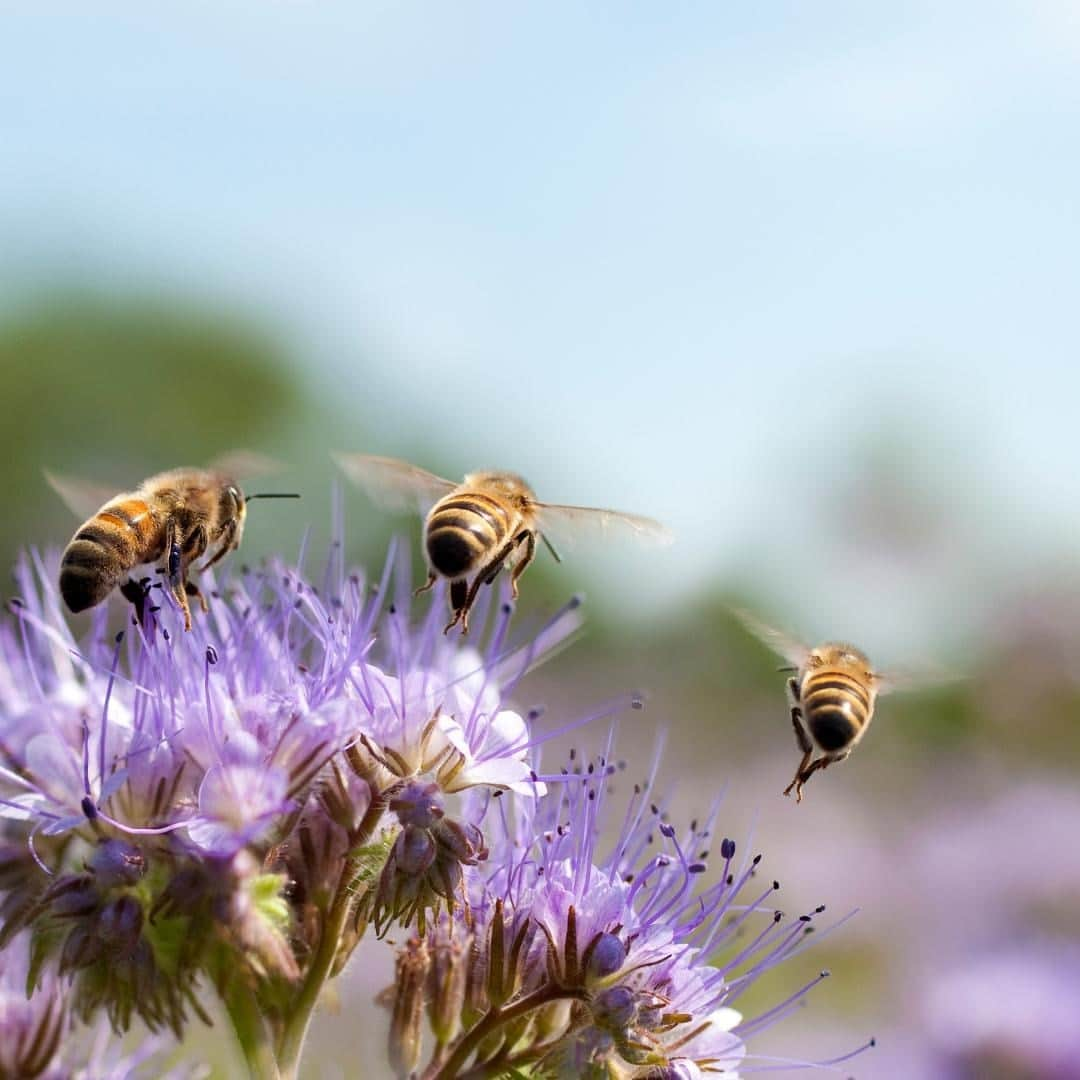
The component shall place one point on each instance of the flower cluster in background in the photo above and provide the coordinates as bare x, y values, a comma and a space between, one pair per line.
206, 824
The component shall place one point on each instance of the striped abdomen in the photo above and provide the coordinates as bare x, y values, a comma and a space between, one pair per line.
464, 530
835, 706
121, 535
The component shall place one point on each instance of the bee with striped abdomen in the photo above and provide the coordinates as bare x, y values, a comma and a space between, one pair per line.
174, 517
475, 528
832, 689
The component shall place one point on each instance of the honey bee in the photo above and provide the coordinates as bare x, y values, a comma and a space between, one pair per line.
833, 690
475, 528
174, 517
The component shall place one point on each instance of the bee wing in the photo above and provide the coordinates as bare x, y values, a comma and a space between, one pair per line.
916, 679
566, 524
788, 647
393, 483
83, 499
243, 465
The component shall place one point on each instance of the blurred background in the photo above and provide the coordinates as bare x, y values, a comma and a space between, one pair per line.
794, 278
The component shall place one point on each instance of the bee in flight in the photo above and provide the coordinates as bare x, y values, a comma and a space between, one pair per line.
832, 689
174, 517
475, 528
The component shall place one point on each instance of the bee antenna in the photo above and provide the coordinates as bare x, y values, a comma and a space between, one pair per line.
787, 667
273, 495
547, 543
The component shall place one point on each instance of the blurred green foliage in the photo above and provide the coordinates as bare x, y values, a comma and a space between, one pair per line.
112, 391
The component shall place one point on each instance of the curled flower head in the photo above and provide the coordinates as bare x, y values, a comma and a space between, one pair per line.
630, 959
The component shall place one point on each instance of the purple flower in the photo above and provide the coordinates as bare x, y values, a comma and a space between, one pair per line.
1009, 1012
232, 807
630, 954
168, 785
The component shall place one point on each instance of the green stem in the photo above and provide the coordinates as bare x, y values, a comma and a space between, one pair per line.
491, 1021
491, 1070
291, 1046
252, 1031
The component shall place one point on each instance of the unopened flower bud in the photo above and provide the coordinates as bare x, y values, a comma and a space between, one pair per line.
464, 842
405, 1035
115, 863
82, 947
418, 804
414, 850
120, 923
615, 1009
604, 956
446, 987
74, 898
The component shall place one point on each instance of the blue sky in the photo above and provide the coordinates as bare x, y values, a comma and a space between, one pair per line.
691, 259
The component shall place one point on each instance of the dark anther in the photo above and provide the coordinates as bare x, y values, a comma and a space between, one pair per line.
211, 654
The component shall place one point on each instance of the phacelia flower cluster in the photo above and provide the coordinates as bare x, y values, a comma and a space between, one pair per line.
232, 808
600, 960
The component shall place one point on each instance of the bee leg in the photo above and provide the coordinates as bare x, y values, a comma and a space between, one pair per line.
432, 577
805, 745
175, 570
226, 543
461, 613
805, 773
179, 594
529, 539
136, 592
193, 590
459, 591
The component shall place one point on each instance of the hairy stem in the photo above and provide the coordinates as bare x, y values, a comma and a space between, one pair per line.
490, 1022
252, 1031
291, 1046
